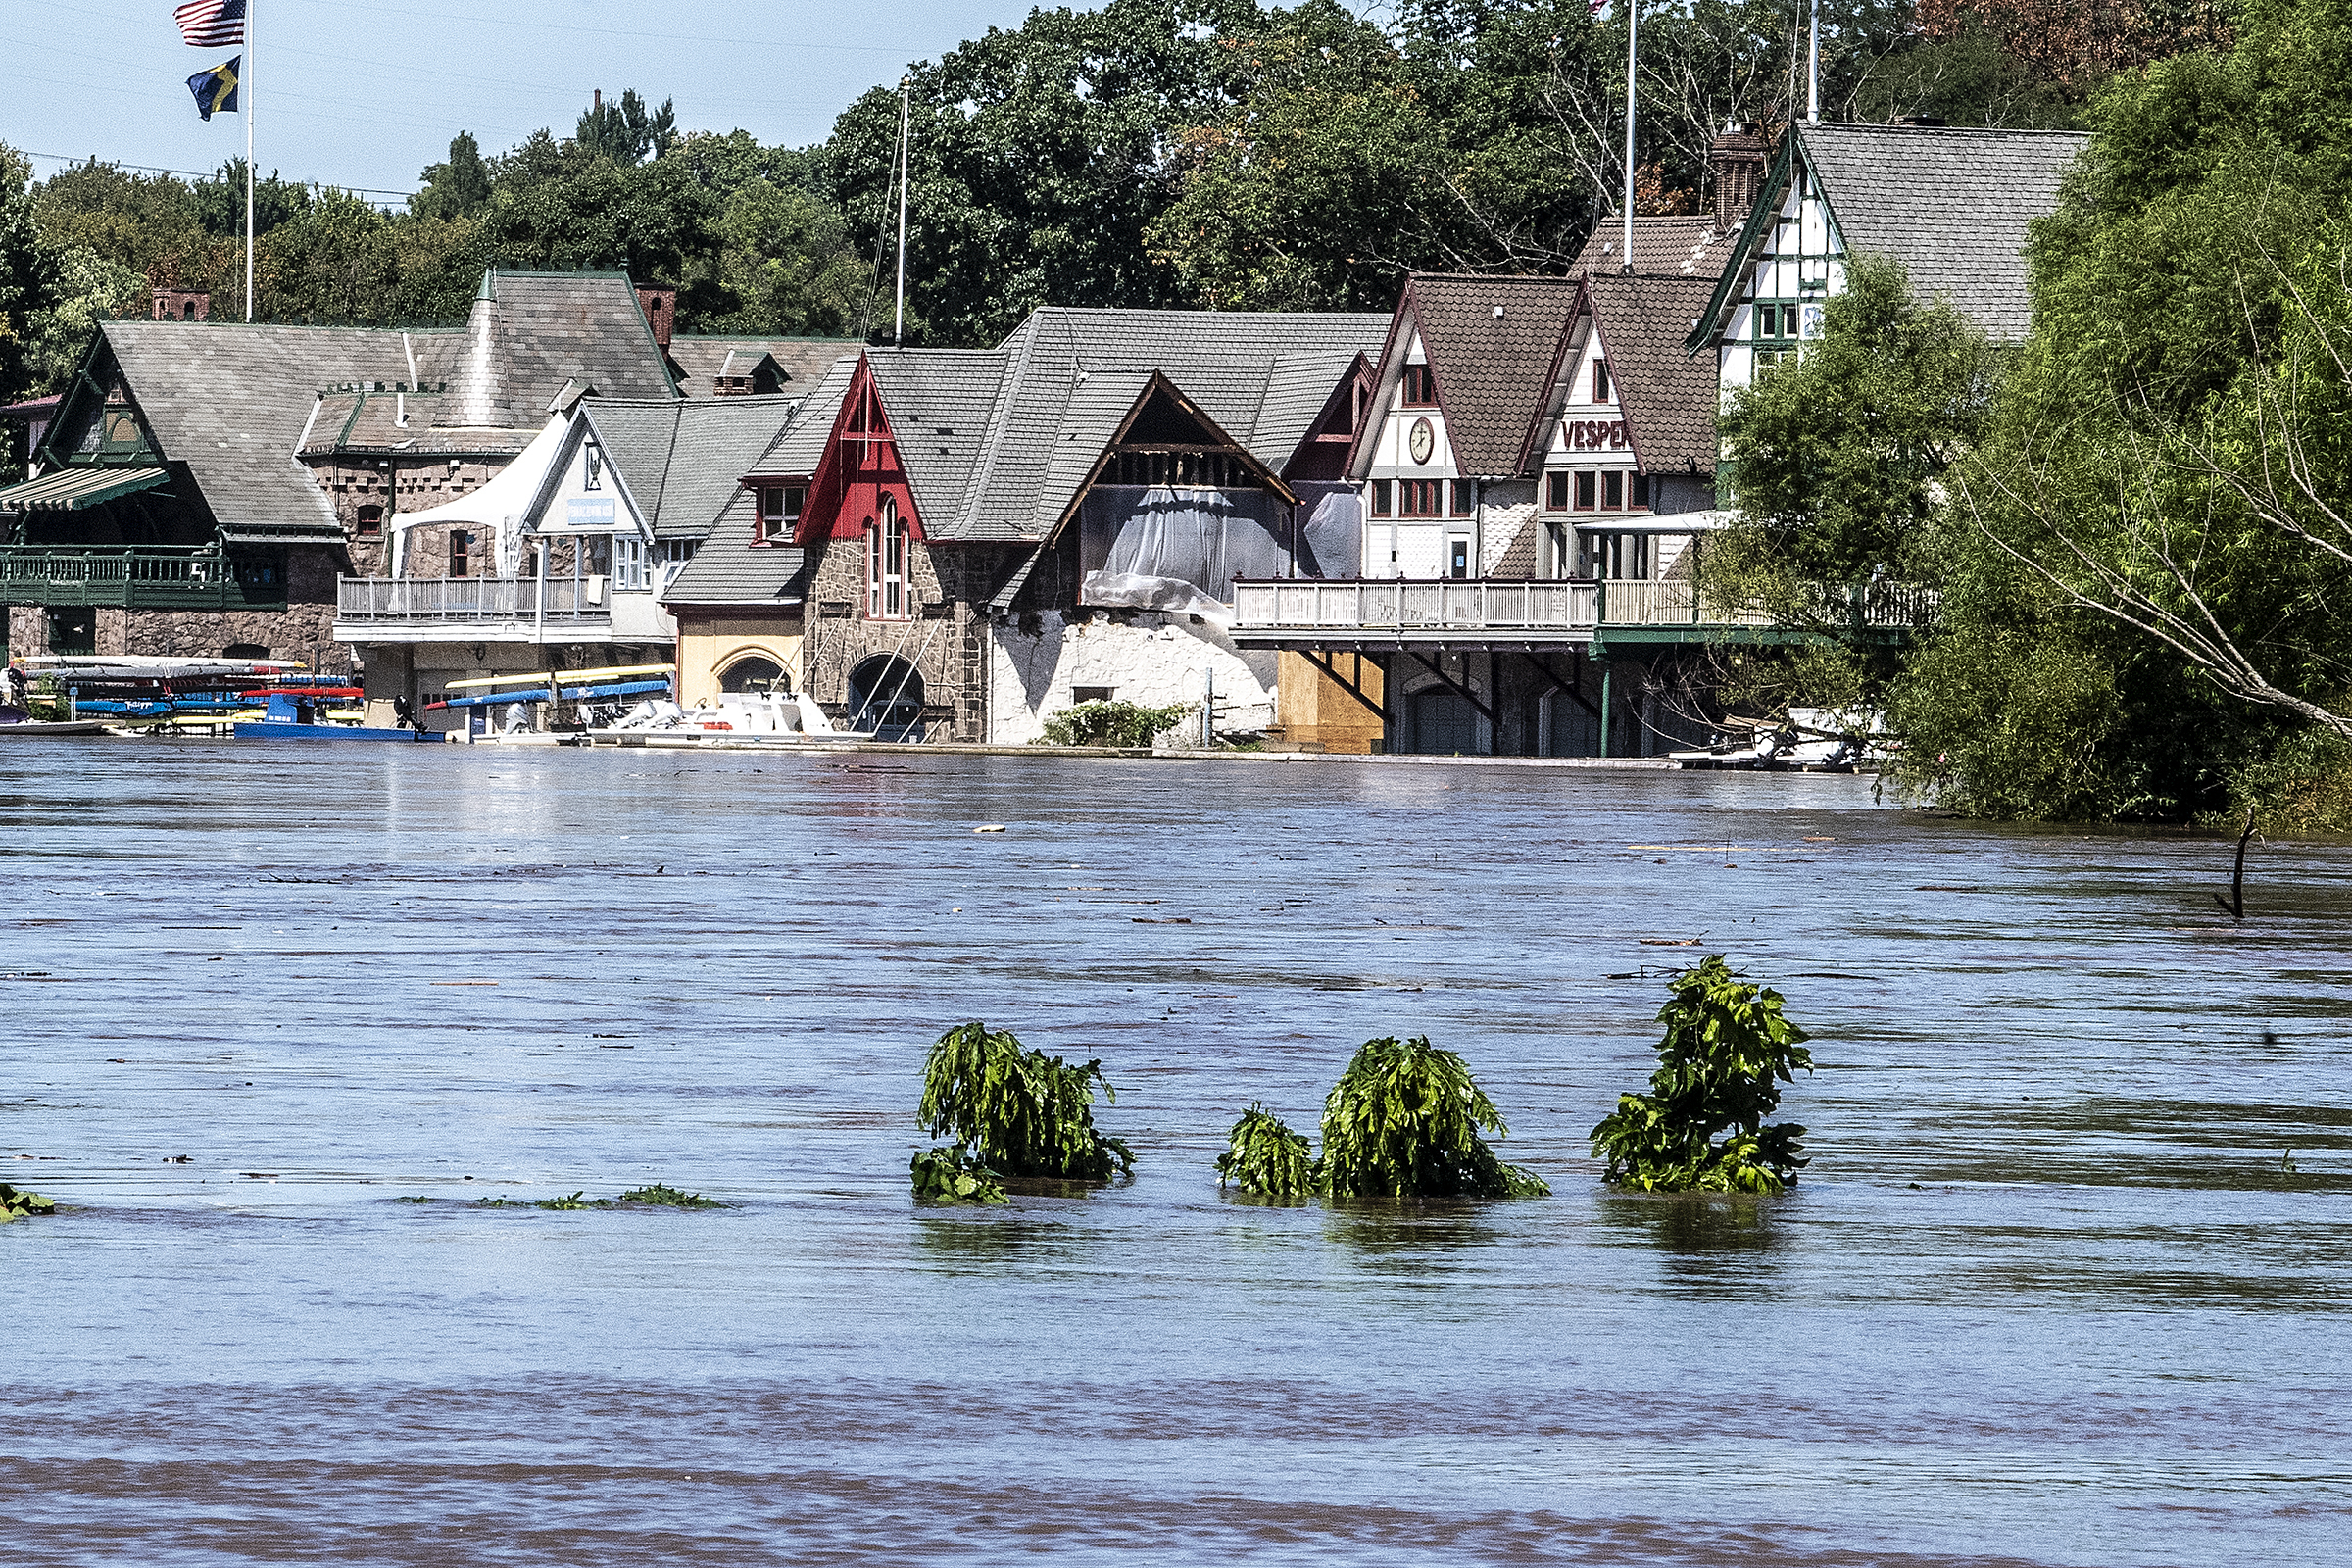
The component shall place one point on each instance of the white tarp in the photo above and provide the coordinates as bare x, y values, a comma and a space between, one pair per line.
498, 505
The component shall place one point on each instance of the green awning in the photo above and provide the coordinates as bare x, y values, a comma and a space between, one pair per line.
73, 489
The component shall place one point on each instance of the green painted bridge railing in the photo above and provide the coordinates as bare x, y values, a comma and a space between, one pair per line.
142, 577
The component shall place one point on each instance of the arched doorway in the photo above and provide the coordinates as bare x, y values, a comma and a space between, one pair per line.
886, 698
755, 674
1444, 724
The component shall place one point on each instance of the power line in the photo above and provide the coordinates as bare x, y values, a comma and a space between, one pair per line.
208, 173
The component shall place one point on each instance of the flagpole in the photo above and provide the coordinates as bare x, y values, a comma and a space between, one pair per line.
1632, 23
246, 87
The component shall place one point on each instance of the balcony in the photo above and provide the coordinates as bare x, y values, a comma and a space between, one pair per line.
525, 610
1369, 613
198, 578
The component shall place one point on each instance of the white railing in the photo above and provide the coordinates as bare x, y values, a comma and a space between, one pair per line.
1395, 604
504, 601
1407, 606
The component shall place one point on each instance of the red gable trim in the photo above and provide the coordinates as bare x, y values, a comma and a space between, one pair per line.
859, 466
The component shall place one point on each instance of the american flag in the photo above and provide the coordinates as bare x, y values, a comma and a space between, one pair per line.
210, 23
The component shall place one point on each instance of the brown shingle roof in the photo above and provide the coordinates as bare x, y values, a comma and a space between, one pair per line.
1687, 247
1492, 342
1669, 398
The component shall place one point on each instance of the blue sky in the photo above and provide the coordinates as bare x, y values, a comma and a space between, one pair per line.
364, 93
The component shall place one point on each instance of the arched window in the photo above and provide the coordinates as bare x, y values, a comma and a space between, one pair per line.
754, 674
886, 546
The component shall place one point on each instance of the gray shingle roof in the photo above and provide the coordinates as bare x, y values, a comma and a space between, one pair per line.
1669, 398
1950, 205
683, 460
530, 332
1687, 247
730, 569
1494, 369
231, 400
1296, 388
801, 445
801, 361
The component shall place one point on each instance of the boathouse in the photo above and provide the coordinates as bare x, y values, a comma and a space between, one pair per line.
204, 486
957, 543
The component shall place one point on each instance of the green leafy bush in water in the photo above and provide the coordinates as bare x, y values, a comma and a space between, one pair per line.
574, 1201
1013, 1111
1110, 724
952, 1176
1727, 1052
17, 1203
1405, 1121
665, 1197
1264, 1156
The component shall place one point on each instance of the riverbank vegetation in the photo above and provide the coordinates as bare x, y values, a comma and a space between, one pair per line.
2134, 521
1701, 1127
1011, 1111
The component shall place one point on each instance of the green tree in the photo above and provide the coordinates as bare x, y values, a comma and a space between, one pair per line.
1727, 1051
2155, 515
1406, 1120
624, 130
457, 188
1012, 1111
1040, 155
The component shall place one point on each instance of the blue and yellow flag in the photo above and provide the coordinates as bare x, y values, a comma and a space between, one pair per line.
217, 88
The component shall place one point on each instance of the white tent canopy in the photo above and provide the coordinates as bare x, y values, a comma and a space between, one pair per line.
500, 505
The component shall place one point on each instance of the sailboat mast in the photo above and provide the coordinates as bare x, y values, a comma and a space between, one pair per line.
898, 323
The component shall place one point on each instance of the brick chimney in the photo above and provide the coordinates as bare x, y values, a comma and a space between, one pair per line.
181, 305
1735, 161
659, 305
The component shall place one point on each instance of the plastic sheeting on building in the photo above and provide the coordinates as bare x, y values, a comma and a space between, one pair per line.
1331, 530
1202, 537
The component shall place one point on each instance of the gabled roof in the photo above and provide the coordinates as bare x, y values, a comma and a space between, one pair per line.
230, 401
683, 460
997, 443
730, 569
531, 332
1493, 343
1668, 397
1683, 246
800, 362
1952, 205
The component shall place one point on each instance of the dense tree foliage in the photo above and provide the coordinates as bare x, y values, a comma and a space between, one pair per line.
2149, 561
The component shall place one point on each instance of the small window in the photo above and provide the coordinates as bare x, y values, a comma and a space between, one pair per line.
1640, 501
628, 562
1420, 387
1092, 694
1417, 498
370, 523
1555, 492
1457, 559
780, 509
678, 552
1600, 380
1584, 491
1465, 498
460, 561
1612, 492
1380, 497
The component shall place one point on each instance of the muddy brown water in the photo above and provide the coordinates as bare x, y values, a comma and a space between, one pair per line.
2047, 1293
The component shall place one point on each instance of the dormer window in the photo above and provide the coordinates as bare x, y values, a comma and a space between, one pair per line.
1420, 387
1600, 380
780, 510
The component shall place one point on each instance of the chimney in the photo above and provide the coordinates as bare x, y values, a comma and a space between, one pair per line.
182, 305
1735, 161
659, 305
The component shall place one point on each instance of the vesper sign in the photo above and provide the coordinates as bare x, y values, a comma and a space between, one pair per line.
1592, 435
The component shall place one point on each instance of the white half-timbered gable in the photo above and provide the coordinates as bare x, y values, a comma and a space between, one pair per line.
1952, 205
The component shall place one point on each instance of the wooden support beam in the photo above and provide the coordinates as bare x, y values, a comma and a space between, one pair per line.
1329, 665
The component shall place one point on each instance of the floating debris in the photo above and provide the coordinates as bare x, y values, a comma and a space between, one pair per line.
993, 827
17, 1203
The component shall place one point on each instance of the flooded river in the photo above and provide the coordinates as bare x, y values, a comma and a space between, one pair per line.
2048, 1293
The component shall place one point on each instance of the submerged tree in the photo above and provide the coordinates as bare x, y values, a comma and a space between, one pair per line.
1403, 1121
1263, 1155
1011, 1111
1727, 1052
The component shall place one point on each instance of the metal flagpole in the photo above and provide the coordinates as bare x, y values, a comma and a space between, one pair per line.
1633, 22
1813, 71
246, 87
898, 320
